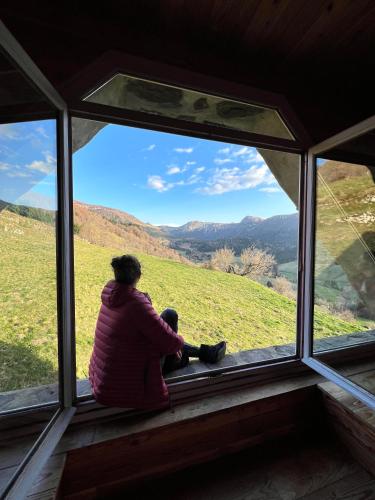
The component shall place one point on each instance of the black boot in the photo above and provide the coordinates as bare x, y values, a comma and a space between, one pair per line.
212, 353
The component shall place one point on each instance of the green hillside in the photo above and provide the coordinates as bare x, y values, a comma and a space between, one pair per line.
212, 305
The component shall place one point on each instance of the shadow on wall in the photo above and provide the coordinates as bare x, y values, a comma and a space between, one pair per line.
21, 367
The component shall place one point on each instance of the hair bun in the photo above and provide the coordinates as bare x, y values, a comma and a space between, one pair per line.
116, 262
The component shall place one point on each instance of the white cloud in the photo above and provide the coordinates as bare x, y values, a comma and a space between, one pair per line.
255, 158
234, 179
42, 132
193, 179
45, 166
7, 132
183, 150
270, 190
224, 151
150, 147
199, 169
244, 151
189, 163
173, 169
5, 166
18, 174
156, 182
222, 161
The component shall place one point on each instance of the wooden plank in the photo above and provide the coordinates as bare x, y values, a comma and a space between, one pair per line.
281, 470
123, 426
47, 484
158, 450
355, 429
357, 486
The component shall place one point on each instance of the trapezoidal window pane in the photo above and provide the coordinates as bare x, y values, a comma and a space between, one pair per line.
136, 94
214, 225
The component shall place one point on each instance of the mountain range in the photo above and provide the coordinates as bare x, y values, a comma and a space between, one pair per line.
197, 240
194, 240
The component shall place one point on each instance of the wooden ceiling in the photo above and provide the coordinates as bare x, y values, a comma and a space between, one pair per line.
318, 53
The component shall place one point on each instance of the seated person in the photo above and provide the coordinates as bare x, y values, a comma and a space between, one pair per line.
134, 346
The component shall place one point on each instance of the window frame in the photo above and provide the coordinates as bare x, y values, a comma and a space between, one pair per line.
190, 129
318, 361
24, 475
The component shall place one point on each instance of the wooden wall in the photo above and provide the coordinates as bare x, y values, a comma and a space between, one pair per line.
99, 469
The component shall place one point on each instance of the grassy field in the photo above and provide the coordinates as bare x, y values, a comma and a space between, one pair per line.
212, 305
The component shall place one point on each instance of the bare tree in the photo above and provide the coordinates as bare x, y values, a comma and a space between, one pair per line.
223, 259
256, 262
284, 287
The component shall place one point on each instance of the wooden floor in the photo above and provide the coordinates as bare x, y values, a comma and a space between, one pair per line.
316, 471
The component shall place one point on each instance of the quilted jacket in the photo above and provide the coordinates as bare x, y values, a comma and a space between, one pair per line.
130, 339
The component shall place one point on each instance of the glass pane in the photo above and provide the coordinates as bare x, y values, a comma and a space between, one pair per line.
14, 88
214, 225
132, 93
28, 326
345, 255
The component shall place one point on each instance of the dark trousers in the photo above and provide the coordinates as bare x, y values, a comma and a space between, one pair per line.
171, 362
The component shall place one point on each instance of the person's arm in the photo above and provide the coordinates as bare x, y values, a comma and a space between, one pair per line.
156, 330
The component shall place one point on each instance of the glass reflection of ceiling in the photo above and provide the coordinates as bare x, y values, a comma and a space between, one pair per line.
14, 88
136, 94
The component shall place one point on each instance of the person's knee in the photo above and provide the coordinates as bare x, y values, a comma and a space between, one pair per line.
170, 316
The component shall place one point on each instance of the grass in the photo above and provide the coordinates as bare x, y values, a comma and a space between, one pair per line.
212, 305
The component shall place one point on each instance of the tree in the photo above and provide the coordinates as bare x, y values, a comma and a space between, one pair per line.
256, 262
284, 287
223, 259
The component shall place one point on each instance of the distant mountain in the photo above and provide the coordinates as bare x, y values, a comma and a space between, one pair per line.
112, 214
197, 240
249, 227
212, 230
114, 228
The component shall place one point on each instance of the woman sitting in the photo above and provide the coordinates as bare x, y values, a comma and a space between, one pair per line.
134, 346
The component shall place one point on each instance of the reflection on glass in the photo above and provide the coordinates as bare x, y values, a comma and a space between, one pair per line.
14, 88
345, 254
132, 93
214, 225
28, 331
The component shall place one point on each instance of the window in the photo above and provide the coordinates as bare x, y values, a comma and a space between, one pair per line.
136, 94
29, 371
215, 226
28, 321
344, 255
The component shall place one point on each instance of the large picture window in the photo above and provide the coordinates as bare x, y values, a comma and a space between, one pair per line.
214, 225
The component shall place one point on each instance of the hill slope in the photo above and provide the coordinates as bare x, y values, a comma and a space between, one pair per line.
212, 305
106, 227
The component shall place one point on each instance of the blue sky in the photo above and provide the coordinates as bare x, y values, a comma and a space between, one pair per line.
28, 163
160, 178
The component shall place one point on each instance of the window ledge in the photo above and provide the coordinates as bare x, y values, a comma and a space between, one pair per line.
47, 394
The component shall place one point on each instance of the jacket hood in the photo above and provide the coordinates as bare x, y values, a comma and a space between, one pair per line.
114, 294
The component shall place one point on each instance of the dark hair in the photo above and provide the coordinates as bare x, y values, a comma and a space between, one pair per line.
127, 269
